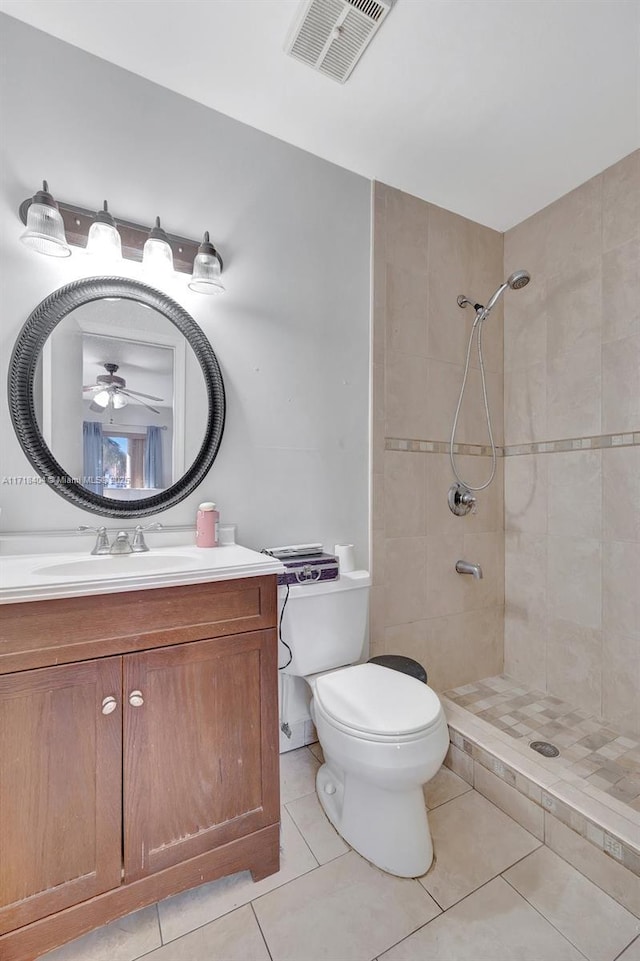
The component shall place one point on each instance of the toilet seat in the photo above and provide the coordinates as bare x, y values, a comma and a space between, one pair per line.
376, 703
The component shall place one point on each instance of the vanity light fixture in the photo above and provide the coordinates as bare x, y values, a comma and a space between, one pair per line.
104, 239
45, 226
157, 256
55, 227
206, 269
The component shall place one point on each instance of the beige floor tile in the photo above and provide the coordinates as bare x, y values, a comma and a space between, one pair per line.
314, 826
595, 923
121, 940
493, 924
473, 842
632, 953
444, 787
235, 937
192, 909
298, 771
347, 910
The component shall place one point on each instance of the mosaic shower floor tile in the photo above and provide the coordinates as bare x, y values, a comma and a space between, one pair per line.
589, 748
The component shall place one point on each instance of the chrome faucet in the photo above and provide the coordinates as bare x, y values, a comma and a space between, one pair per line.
122, 544
102, 545
464, 567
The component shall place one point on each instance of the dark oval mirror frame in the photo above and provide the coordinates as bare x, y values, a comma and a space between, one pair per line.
39, 325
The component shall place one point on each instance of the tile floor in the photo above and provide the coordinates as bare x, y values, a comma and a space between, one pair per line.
588, 747
495, 892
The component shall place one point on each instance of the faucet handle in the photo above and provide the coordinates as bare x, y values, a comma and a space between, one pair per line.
139, 544
101, 545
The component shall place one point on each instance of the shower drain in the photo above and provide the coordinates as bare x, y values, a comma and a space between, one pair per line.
544, 748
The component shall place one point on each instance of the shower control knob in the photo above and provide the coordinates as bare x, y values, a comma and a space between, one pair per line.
461, 500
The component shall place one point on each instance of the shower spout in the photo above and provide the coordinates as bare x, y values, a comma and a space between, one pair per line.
464, 567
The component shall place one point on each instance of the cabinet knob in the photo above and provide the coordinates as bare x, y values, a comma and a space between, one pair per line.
136, 699
109, 704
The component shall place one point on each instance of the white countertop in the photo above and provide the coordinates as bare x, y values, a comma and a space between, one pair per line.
36, 577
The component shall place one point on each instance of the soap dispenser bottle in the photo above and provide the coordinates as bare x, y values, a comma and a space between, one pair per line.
207, 521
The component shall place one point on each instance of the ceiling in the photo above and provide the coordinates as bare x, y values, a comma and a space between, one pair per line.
490, 108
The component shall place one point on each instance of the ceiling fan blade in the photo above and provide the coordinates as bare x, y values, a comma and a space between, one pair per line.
140, 394
93, 387
136, 401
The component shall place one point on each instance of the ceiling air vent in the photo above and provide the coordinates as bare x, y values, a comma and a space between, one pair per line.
332, 35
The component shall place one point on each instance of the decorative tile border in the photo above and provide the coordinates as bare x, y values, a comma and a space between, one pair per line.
437, 447
595, 442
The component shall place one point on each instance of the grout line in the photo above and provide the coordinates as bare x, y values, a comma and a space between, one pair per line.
253, 910
469, 787
635, 941
543, 916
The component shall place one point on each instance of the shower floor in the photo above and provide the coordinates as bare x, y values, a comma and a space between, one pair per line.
590, 750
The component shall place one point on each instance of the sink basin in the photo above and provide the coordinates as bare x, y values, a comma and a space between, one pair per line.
35, 577
116, 565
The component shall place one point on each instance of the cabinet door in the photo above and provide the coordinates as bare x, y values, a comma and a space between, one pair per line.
200, 748
60, 788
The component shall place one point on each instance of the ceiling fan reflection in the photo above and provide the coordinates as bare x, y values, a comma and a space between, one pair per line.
110, 392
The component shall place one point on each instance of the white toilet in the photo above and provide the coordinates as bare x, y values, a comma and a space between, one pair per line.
383, 733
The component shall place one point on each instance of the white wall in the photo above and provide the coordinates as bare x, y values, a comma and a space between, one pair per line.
292, 332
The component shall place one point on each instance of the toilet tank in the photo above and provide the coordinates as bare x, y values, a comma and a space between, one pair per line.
325, 625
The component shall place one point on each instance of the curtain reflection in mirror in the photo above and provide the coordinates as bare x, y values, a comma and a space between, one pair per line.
153, 458
92, 451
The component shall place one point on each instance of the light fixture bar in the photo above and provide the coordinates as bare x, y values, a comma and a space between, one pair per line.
78, 220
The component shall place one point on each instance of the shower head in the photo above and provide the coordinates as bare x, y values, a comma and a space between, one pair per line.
519, 279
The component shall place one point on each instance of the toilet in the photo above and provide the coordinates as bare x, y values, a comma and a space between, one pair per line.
383, 733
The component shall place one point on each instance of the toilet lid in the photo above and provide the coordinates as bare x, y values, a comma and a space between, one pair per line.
377, 700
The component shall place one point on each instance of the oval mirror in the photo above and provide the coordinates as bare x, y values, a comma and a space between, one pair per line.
105, 377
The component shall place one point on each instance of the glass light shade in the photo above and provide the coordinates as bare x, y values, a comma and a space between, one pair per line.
205, 278
157, 257
45, 231
104, 241
106, 399
206, 275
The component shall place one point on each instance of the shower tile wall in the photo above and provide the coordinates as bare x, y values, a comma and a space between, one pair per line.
572, 519
424, 257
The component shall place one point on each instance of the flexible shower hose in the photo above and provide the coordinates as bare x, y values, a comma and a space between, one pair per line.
478, 322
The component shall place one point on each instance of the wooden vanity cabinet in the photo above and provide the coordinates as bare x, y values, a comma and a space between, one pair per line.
129, 777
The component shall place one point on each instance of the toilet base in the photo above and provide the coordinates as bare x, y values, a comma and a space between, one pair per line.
388, 828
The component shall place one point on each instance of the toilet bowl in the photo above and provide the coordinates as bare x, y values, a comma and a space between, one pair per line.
383, 733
